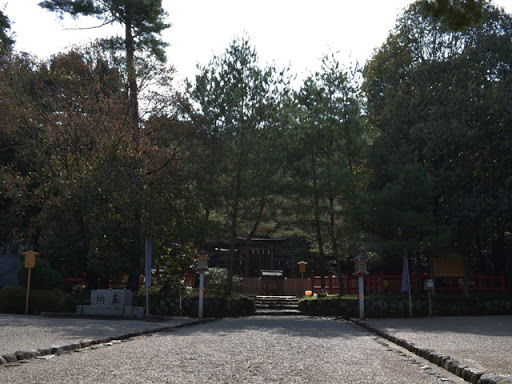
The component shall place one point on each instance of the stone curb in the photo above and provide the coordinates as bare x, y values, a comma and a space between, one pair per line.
474, 376
22, 356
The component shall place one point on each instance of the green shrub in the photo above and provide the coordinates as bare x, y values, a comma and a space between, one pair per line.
379, 306
161, 303
48, 301
216, 279
12, 300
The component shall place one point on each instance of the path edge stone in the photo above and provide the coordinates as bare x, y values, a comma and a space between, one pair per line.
11, 358
472, 375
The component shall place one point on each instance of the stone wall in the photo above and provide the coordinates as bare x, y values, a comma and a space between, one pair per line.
380, 307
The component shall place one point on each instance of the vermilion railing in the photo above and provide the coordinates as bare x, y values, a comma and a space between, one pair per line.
379, 282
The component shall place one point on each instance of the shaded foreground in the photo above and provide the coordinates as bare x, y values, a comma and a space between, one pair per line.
247, 350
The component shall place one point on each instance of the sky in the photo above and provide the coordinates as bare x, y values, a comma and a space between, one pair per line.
286, 33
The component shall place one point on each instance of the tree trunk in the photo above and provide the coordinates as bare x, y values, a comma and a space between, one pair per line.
133, 281
317, 223
334, 244
498, 250
133, 277
234, 222
132, 85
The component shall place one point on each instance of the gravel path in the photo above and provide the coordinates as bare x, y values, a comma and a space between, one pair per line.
247, 350
483, 342
25, 333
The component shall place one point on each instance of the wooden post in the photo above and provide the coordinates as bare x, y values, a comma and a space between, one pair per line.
361, 297
28, 291
30, 262
302, 269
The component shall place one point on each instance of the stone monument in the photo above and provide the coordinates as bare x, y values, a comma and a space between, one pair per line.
110, 302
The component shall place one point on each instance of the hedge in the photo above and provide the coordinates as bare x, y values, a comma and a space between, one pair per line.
12, 300
384, 306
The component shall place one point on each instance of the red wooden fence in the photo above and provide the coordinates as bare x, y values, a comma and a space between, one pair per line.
379, 282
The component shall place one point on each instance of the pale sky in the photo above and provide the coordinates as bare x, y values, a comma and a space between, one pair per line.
285, 32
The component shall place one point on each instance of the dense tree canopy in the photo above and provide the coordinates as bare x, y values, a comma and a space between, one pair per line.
456, 14
327, 150
143, 21
445, 95
5, 26
418, 156
238, 109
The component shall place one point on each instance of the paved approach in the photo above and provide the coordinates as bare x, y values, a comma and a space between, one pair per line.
25, 333
482, 342
247, 350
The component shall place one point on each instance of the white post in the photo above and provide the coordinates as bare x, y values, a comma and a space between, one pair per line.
148, 272
201, 288
361, 297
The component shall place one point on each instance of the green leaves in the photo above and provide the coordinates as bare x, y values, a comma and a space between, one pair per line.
236, 106
433, 93
6, 40
326, 148
456, 14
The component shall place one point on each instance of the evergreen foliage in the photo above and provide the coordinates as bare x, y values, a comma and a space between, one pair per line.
418, 157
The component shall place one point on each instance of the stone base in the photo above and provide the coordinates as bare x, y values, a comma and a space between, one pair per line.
126, 310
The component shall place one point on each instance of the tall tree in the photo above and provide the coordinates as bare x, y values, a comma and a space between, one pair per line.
329, 152
69, 177
237, 107
443, 95
143, 21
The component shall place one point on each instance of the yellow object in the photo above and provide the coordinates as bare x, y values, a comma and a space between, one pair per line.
30, 259
30, 262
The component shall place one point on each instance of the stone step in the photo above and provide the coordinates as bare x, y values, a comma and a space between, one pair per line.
275, 297
279, 312
277, 306
272, 299
276, 302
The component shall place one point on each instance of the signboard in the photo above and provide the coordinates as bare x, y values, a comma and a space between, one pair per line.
30, 262
429, 284
30, 259
448, 265
360, 265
